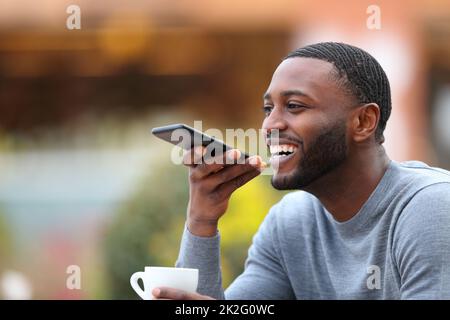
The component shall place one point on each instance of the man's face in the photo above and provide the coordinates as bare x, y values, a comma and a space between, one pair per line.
309, 110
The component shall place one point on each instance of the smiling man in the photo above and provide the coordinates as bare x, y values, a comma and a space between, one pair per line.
361, 226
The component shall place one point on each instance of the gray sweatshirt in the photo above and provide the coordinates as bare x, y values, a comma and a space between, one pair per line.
396, 247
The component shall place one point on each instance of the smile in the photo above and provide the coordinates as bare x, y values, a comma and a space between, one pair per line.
282, 150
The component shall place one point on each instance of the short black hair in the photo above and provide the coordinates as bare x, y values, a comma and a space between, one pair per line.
358, 72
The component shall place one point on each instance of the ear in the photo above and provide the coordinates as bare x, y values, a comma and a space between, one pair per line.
364, 121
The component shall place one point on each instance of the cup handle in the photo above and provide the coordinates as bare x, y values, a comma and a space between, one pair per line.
135, 285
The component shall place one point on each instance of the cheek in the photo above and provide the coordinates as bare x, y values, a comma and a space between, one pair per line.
306, 125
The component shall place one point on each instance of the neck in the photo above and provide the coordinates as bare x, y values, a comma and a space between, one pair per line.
345, 190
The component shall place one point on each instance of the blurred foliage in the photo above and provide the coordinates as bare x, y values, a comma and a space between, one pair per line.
5, 243
148, 228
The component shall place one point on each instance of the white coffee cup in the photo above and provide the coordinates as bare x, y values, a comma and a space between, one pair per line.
177, 278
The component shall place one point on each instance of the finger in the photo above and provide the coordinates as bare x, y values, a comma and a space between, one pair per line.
229, 187
188, 158
254, 162
194, 156
162, 293
257, 162
229, 173
215, 164
169, 293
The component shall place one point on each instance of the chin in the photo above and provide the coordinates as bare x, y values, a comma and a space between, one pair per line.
286, 181
279, 183
294, 180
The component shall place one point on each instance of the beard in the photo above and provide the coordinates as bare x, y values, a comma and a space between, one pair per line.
326, 152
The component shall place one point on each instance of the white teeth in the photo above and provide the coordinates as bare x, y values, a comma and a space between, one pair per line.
276, 149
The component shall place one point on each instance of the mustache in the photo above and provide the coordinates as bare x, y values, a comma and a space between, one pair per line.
284, 136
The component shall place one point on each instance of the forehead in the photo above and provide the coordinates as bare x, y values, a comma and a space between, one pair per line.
312, 76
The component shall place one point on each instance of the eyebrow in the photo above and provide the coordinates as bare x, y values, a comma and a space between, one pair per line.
287, 93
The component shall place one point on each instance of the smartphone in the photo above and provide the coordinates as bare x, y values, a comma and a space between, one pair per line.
187, 138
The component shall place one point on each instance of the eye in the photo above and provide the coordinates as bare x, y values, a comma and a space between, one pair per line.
267, 110
295, 106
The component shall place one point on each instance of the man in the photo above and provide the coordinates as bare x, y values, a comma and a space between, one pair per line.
362, 226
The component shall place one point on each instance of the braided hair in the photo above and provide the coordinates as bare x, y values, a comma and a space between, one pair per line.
357, 72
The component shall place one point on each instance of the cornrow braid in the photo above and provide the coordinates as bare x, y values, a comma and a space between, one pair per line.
358, 73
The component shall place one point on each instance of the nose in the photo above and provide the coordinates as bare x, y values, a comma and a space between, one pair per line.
274, 121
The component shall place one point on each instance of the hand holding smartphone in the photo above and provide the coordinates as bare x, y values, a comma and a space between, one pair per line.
210, 184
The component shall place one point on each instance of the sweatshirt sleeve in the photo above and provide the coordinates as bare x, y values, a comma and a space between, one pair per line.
202, 253
264, 276
422, 244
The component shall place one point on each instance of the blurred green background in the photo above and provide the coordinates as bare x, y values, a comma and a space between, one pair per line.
83, 182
